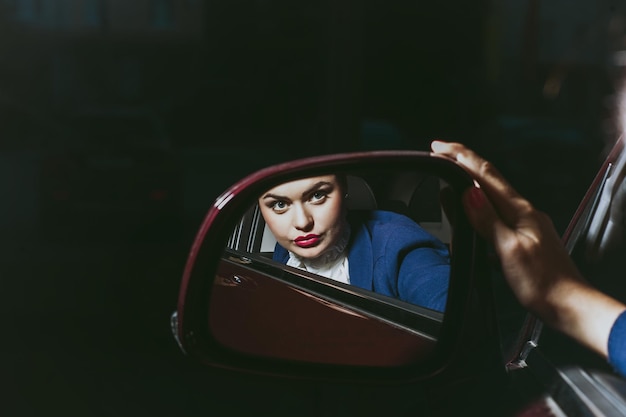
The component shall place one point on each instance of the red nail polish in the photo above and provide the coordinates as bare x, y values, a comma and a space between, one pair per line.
475, 197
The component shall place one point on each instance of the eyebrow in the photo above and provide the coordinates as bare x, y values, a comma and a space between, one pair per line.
310, 190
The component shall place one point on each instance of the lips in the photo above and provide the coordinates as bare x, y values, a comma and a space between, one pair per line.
307, 241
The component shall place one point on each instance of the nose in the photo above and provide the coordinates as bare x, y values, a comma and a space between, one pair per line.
302, 219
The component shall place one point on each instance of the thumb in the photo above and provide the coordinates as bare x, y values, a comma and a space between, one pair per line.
480, 213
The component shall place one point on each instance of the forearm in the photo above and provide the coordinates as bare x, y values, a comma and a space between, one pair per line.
582, 312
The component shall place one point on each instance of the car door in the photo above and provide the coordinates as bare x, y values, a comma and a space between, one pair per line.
552, 373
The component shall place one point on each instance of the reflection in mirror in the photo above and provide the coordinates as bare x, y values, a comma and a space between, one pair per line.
382, 235
389, 235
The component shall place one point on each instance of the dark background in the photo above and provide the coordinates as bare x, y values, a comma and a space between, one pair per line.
238, 85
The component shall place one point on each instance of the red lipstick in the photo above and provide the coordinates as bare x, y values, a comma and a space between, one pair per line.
307, 241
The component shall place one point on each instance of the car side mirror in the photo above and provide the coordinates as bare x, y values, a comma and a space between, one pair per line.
409, 294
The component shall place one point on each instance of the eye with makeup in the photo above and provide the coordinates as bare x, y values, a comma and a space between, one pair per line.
278, 206
319, 196
315, 195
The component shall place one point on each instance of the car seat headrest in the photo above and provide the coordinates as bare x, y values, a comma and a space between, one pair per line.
360, 194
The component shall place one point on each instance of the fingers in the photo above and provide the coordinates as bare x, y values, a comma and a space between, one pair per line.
483, 217
479, 211
480, 168
505, 199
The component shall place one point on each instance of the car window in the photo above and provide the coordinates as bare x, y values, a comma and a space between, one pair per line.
597, 243
417, 198
596, 240
599, 252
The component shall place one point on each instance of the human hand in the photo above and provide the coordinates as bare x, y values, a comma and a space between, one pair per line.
534, 260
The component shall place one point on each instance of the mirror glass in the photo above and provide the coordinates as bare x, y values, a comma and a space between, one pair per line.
337, 268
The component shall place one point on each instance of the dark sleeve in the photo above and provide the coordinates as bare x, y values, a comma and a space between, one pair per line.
617, 344
280, 254
424, 275
416, 265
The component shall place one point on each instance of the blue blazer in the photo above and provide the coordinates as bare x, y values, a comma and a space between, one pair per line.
390, 254
617, 344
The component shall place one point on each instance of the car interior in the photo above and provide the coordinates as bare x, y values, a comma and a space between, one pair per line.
248, 278
412, 194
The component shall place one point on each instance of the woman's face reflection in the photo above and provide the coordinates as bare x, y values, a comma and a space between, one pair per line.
306, 216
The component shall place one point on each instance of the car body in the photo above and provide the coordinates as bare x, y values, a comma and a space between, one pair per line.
485, 355
116, 174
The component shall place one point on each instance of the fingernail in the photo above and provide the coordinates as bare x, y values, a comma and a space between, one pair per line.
475, 197
436, 145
